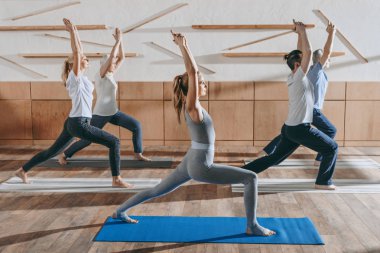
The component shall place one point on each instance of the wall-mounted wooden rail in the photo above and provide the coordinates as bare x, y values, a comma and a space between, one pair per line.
48, 9
50, 28
154, 17
83, 41
259, 40
235, 27
269, 54
178, 55
341, 37
64, 55
21, 66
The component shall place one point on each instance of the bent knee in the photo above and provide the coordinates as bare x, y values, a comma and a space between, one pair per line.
250, 177
114, 142
137, 127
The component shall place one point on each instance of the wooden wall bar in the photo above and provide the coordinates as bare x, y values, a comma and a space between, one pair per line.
244, 113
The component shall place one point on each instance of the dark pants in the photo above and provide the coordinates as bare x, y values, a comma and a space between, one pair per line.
81, 128
319, 121
290, 139
119, 119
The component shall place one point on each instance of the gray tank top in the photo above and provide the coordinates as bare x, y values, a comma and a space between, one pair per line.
201, 132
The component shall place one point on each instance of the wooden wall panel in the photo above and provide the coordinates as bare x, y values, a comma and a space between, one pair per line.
168, 92
362, 143
231, 91
178, 143
127, 144
269, 118
336, 91
151, 116
363, 90
233, 143
49, 91
335, 112
16, 119
173, 130
233, 120
362, 121
141, 90
271, 91
15, 90
48, 118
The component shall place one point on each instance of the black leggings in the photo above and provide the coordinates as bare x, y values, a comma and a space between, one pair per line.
80, 127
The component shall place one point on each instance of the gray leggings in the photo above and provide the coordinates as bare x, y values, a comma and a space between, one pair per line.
198, 165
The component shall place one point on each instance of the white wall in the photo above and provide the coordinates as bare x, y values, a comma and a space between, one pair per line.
358, 20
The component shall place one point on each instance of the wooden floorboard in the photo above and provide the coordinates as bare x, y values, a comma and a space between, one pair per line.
68, 222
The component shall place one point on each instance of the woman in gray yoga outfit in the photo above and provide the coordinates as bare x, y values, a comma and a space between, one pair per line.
198, 162
106, 109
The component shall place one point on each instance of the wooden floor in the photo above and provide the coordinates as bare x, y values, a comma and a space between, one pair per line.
68, 222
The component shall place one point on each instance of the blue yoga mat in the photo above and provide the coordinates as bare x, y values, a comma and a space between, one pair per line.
207, 230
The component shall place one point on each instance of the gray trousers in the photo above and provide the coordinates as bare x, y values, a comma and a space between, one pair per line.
198, 165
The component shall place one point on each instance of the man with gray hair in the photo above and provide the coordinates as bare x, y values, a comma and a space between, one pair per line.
317, 76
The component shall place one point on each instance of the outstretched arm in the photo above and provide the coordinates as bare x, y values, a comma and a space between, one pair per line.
305, 46
121, 56
76, 45
192, 103
329, 44
113, 54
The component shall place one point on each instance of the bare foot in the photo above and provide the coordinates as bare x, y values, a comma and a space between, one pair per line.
118, 182
62, 160
22, 174
259, 230
125, 218
330, 187
261, 154
317, 163
140, 157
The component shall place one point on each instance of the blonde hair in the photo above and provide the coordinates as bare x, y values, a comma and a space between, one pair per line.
180, 88
67, 67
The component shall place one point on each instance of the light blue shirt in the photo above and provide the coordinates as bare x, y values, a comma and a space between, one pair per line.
318, 78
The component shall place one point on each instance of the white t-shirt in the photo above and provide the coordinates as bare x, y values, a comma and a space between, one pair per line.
106, 89
301, 99
80, 91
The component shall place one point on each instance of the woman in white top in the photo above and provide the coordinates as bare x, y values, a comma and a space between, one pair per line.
106, 109
78, 123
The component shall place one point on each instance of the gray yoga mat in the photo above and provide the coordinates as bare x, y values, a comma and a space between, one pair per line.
276, 185
340, 164
103, 162
75, 185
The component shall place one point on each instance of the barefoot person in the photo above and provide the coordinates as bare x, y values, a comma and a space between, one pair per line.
198, 162
297, 129
106, 109
317, 76
78, 123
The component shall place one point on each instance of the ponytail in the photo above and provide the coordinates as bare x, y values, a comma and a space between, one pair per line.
180, 88
67, 66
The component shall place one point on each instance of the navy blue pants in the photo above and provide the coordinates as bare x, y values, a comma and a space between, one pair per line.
290, 139
119, 119
319, 121
80, 127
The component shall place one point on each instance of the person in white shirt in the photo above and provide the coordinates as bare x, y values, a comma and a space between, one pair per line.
297, 129
317, 76
106, 109
78, 123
